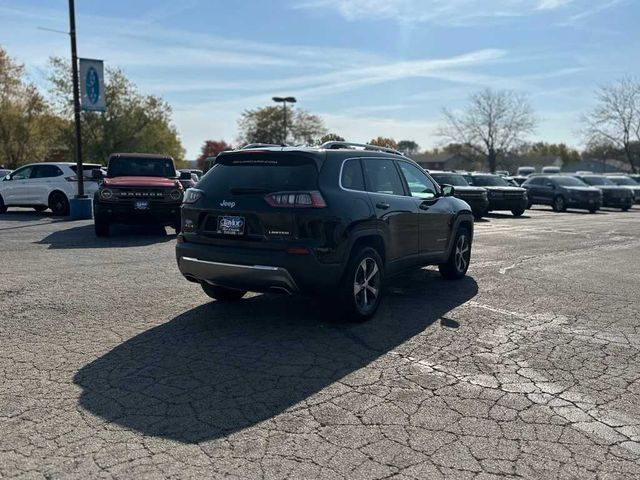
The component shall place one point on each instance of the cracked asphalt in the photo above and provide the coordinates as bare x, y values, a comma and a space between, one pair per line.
113, 366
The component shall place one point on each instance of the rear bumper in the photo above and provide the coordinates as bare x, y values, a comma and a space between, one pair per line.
165, 214
257, 270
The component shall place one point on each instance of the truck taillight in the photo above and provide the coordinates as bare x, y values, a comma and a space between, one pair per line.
312, 199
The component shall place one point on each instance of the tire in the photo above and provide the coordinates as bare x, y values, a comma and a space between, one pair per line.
559, 205
625, 209
477, 216
101, 227
40, 208
177, 227
517, 212
59, 204
458, 263
593, 210
223, 294
362, 286
3, 207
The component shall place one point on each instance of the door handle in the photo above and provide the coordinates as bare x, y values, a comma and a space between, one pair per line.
382, 206
424, 206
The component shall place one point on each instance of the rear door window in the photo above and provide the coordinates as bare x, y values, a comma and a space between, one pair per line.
352, 177
382, 176
263, 172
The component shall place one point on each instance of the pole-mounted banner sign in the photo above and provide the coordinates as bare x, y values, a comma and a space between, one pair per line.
92, 85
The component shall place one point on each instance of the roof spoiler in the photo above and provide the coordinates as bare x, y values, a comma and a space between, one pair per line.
263, 145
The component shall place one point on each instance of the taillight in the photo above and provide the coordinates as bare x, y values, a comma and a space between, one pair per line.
192, 195
311, 199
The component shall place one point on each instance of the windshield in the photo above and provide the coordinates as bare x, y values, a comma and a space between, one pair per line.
455, 180
595, 180
624, 181
490, 181
260, 173
141, 167
569, 182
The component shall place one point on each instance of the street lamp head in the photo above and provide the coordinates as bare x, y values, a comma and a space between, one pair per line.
290, 99
279, 99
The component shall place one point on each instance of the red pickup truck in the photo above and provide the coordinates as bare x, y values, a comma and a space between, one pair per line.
138, 188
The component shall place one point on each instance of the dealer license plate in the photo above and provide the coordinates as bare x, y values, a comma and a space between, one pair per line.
231, 225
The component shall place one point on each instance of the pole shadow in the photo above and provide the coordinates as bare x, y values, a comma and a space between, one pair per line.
220, 368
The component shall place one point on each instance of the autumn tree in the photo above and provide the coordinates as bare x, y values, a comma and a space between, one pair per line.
211, 148
264, 125
384, 142
27, 125
330, 137
132, 122
408, 146
614, 122
492, 124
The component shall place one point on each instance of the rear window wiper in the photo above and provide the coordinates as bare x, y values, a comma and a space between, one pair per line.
248, 190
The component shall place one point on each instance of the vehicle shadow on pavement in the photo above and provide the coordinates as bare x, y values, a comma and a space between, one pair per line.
220, 368
25, 216
121, 236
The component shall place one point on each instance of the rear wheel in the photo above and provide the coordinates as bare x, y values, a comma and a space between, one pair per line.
517, 212
40, 208
625, 209
59, 204
593, 210
458, 263
223, 294
559, 205
361, 287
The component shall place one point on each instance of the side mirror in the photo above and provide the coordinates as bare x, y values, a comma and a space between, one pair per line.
448, 190
185, 176
96, 174
8, 177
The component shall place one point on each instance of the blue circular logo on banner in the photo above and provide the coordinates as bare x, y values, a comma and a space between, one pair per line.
93, 85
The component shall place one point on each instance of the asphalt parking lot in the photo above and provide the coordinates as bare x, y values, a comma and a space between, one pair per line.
112, 365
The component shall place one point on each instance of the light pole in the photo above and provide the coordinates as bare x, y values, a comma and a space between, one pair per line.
284, 101
76, 98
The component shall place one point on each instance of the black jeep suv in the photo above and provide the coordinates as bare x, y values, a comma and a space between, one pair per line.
502, 195
562, 192
334, 220
476, 197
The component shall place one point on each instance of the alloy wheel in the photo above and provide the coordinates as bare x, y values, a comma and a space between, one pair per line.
366, 285
461, 255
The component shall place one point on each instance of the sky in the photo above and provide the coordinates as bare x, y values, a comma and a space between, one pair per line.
367, 67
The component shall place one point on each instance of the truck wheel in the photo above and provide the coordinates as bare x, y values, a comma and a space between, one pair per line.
517, 212
223, 294
559, 205
101, 227
361, 289
458, 263
59, 204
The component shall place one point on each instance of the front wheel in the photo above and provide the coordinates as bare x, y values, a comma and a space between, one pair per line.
59, 204
361, 288
101, 227
517, 212
458, 263
223, 294
593, 210
625, 209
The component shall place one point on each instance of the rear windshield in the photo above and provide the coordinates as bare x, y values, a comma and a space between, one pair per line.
455, 180
261, 173
490, 181
141, 167
597, 180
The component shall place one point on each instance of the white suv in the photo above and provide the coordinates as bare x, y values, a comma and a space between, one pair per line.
45, 185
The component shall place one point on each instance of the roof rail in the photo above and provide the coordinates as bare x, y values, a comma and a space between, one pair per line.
261, 145
365, 146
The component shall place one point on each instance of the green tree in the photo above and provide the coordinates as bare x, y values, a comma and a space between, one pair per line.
566, 153
264, 125
384, 142
133, 122
408, 146
27, 125
493, 124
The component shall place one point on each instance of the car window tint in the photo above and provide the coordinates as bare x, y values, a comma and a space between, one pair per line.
46, 171
352, 177
420, 185
22, 173
382, 177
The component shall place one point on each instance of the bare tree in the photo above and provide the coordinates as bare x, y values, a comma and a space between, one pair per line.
493, 123
615, 120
